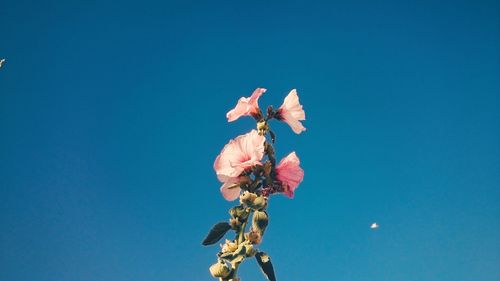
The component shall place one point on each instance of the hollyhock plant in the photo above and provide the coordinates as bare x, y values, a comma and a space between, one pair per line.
292, 113
289, 173
246, 106
247, 168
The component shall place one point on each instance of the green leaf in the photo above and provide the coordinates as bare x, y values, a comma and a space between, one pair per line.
265, 264
216, 233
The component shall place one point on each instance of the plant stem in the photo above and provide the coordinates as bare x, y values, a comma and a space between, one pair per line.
241, 239
241, 234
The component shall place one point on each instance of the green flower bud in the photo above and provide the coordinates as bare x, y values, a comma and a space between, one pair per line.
253, 236
247, 198
260, 221
229, 247
234, 223
237, 211
262, 127
253, 201
259, 203
220, 269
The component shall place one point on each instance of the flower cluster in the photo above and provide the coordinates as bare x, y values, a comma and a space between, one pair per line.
247, 169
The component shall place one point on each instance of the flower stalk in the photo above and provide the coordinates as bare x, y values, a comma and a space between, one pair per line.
247, 168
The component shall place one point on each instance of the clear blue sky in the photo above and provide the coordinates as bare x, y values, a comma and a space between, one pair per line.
111, 115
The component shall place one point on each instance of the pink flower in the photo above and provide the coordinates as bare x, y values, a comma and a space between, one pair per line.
292, 113
239, 154
289, 173
246, 106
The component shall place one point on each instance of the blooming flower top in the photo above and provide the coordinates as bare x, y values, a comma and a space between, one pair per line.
292, 113
289, 173
246, 106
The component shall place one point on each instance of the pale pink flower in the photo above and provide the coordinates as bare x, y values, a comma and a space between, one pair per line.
289, 173
292, 113
246, 106
229, 190
239, 154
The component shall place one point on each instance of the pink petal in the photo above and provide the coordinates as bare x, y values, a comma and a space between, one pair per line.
295, 124
293, 105
291, 112
230, 194
246, 106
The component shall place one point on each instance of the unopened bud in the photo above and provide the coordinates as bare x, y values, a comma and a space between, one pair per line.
229, 247
260, 221
270, 111
262, 127
247, 198
234, 223
259, 203
220, 269
254, 237
237, 211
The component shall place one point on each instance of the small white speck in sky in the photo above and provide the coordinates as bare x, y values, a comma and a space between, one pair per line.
374, 225
1, 62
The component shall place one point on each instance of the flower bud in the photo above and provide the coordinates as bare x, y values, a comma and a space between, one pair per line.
262, 127
270, 111
237, 211
254, 237
247, 198
253, 201
260, 221
234, 223
229, 247
259, 203
220, 269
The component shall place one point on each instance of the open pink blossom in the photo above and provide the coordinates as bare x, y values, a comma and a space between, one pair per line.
292, 113
239, 154
289, 173
246, 106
